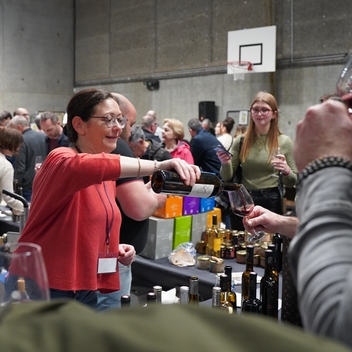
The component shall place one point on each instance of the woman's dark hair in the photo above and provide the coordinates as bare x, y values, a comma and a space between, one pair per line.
10, 139
228, 124
83, 104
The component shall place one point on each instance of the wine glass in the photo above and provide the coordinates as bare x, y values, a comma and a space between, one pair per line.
274, 156
38, 162
23, 275
242, 205
344, 84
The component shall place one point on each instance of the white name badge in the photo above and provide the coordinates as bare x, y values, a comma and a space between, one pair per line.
107, 263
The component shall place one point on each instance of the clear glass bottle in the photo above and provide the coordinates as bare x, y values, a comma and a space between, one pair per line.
246, 273
252, 304
193, 290
224, 301
269, 289
207, 186
157, 290
216, 238
215, 302
231, 296
184, 295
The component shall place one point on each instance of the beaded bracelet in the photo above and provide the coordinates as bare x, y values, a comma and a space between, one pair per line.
322, 163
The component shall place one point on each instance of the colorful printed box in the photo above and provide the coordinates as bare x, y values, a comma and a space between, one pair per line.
190, 205
215, 211
199, 225
206, 204
160, 236
171, 209
182, 230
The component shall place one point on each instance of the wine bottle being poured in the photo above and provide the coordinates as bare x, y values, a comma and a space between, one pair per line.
208, 185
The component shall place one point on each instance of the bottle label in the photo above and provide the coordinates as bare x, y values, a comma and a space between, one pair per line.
201, 190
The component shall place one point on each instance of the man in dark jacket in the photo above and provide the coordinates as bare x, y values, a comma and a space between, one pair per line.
202, 147
51, 126
33, 146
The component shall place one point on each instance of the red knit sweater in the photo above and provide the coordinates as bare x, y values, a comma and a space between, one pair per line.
71, 209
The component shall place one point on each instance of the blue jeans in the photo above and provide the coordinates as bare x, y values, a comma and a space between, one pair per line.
27, 195
84, 296
107, 301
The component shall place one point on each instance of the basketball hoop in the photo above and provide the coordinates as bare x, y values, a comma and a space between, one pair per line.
239, 68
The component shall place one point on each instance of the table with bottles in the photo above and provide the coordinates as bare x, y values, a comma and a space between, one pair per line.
148, 272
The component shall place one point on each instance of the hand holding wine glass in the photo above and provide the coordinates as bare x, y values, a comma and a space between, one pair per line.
274, 158
242, 204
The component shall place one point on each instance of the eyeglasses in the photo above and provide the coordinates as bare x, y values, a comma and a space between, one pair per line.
263, 111
111, 119
156, 124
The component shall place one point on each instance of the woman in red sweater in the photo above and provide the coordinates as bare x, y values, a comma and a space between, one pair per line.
74, 216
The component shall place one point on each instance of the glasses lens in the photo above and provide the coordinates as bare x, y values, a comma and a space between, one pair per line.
110, 120
263, 111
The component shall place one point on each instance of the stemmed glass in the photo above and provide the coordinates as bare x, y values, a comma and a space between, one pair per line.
344, 84
242, 205
274, 156
38, 162
23, 275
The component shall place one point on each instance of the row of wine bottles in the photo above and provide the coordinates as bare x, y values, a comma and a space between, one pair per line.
269, 286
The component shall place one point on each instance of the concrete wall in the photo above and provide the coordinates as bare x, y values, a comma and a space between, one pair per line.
184, 45
36, 55
49, 48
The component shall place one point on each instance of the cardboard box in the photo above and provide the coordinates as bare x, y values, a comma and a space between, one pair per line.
199, 225
171, 209
206, 204
190, 205
160, 236
182, 230
215, 211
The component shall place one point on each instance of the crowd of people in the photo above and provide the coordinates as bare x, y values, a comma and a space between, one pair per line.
83, 197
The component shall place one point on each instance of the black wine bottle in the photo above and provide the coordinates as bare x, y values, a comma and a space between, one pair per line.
193, 290
207, 186
275, 273
231, 296
277, 241
269, 289
224, 301
249, 269
252, 304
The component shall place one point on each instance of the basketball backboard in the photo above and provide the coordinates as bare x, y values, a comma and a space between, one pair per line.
256, 45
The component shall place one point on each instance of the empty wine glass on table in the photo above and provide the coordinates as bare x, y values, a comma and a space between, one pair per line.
273, 157
242, 205
23, 275
38, 162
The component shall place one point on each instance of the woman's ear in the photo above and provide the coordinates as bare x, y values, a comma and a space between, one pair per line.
79, 125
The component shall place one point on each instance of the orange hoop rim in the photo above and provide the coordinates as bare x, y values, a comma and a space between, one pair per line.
241, 63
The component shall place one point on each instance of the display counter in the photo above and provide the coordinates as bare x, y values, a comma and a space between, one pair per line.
148, 272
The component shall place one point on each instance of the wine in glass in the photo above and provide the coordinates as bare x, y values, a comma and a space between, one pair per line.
23, 275
242, 205
274, 156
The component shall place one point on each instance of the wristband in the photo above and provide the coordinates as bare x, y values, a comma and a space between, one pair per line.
322, 163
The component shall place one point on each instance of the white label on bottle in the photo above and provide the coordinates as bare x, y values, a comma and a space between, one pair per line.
201, 190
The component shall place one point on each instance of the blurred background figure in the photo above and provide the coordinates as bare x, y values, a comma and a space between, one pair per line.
51, 126
202, 147
225, 127
172, 137
149, 125
10, 143
159, 130
208, 126
33, 146
21, 112
240, 130
5, 118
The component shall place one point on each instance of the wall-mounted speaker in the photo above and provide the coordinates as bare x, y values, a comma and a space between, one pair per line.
207, 110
